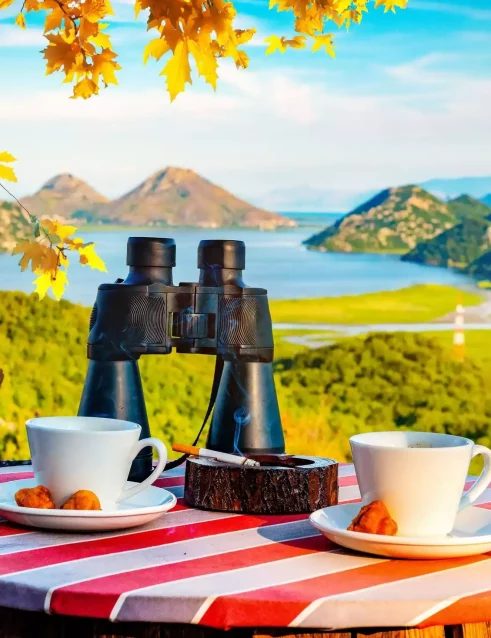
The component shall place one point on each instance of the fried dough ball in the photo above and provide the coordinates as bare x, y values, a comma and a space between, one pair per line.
82, 500
374, 519
39, 497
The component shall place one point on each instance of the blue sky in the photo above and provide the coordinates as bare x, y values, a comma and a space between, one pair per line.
407, 98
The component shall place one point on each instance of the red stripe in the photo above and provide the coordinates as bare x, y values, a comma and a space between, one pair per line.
35, 558
347, 481
469, 609
171, 481
10, 529
7, 478
280, 605
97, 597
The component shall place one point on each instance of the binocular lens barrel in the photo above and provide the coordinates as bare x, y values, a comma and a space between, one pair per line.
154, 252
221, 253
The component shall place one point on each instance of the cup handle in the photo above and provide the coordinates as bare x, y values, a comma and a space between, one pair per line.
482, 482
162, 452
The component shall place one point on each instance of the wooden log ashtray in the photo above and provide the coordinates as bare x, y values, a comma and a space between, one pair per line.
281, 484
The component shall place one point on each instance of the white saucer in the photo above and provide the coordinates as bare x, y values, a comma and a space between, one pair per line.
141, 509
471, 535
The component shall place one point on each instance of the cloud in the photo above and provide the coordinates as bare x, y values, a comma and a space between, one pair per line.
13, 36
455, 9
261, 130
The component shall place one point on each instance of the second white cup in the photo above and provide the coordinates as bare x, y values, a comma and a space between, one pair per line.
419, 476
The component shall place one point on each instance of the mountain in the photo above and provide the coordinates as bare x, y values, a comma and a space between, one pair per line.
467, 207
446, 189
181, 197
14, 226
456, 247
395, 220
63, 196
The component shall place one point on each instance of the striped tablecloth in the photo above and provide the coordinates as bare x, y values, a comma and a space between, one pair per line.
225, 571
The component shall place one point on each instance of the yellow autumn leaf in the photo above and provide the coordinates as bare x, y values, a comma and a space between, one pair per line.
20, 21
244, 35
42, 284
103, 65
390, 5
31, 251
206, 63
155, 49
55, 227
53, 20
85, 89
325, 41
47, 280
281, 44
177, 70
89, 257
241, 60
275, 44
5, 3
60, 53
101, 40
58, 283
7, 172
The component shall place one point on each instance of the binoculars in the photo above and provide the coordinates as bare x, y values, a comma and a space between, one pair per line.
218, 315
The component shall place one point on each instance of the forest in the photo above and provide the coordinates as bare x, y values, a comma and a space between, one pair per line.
380, 381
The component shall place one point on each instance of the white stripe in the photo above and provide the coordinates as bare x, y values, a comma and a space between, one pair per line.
395, 604
346, 470
349, 493
240, 580
202, 610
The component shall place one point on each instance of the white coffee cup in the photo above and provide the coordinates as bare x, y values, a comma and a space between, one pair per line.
419, 476
71, 453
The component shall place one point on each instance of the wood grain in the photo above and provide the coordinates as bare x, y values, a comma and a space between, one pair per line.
275, 489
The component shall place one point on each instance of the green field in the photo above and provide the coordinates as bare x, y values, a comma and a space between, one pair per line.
371, 382
420, 303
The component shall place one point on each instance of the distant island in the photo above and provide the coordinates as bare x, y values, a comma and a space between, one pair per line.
170, 197
423, 229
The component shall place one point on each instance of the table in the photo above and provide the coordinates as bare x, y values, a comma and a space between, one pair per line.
196, 573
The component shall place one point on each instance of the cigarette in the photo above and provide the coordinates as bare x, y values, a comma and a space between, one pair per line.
214, 454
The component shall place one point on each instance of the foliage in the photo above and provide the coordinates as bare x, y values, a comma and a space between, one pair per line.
409, 305
382, 381
457, 247
46, 249
79, 45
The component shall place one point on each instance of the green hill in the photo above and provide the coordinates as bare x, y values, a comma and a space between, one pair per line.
395, 220
467, 207
14, 226
456, 247
382, 381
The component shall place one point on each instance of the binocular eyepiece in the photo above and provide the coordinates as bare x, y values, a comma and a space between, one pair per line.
220, 261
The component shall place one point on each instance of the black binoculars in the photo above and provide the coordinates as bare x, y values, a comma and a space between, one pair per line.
218, 315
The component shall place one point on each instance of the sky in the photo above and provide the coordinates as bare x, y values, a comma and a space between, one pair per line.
406, 99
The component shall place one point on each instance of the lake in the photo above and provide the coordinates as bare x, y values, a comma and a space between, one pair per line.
275, 260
